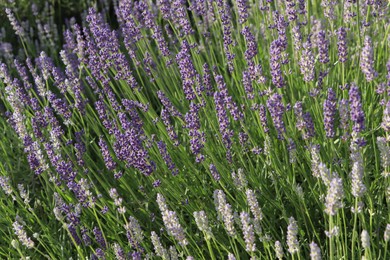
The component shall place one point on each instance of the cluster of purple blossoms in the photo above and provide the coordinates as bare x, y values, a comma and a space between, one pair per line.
342, 44
214, 172
230, 104
290, 10
242, 6
162, 147
344, 118
179, 13
251, 49
263, 118
367, 60
197, 137
168, 104
165, 117
247, 82
329, 113
275, 66
276, 109
187, 70
356, 109
206, 80
323, 47
223, 120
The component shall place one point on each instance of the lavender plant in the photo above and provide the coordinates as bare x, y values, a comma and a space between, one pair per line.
195, 130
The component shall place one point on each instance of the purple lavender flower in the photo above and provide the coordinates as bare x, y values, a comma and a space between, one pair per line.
276, 109
329, 113
197, 137
276, 71
367, 60
263, 118
99, 237
242, 6
290, 10
342, 44
167, 158
344, 117
356, 109
251, 44
323, 47
206, 80
179, 12
168, 104
108, 160
167, 122
187, 70
214, 172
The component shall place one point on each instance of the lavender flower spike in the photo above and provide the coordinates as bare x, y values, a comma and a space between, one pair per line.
276, 109
367, 60
329, 113
292, 236
342, 44
356, 109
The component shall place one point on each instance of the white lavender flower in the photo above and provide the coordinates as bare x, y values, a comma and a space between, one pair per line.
365, 237
158, 247
22, 235
225, 211
315, 160
386, 235
247, 229
202, 223
4, 184
173, 253
334, 197
171, 221
315, 251
231, 257
385, 155
292, 236
239, 179
134, 230
334, 232
279, 250
255, 209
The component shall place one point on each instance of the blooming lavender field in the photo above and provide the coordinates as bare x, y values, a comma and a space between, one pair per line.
172, 129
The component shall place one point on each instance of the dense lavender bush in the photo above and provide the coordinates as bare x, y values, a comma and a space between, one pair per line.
195, 130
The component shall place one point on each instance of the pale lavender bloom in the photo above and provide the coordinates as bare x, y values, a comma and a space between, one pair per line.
334, 197
202, 223
365, 237
231, 257
225, 211
292, 236
22, 235
254, 205
297, 37
197, 137
384, 155
328, 7
386, 118
334, 232
247, 229
306, 62
4, 184
386, 235
239, 179
173, 253
367, 60
158, 247
315, 251
134, 232
171, 221
279, 250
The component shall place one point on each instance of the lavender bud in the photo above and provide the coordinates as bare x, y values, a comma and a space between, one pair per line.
203, 224
315, 251
356, 108
329, 113
279, 250
342, 44
365, 237
334, 197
